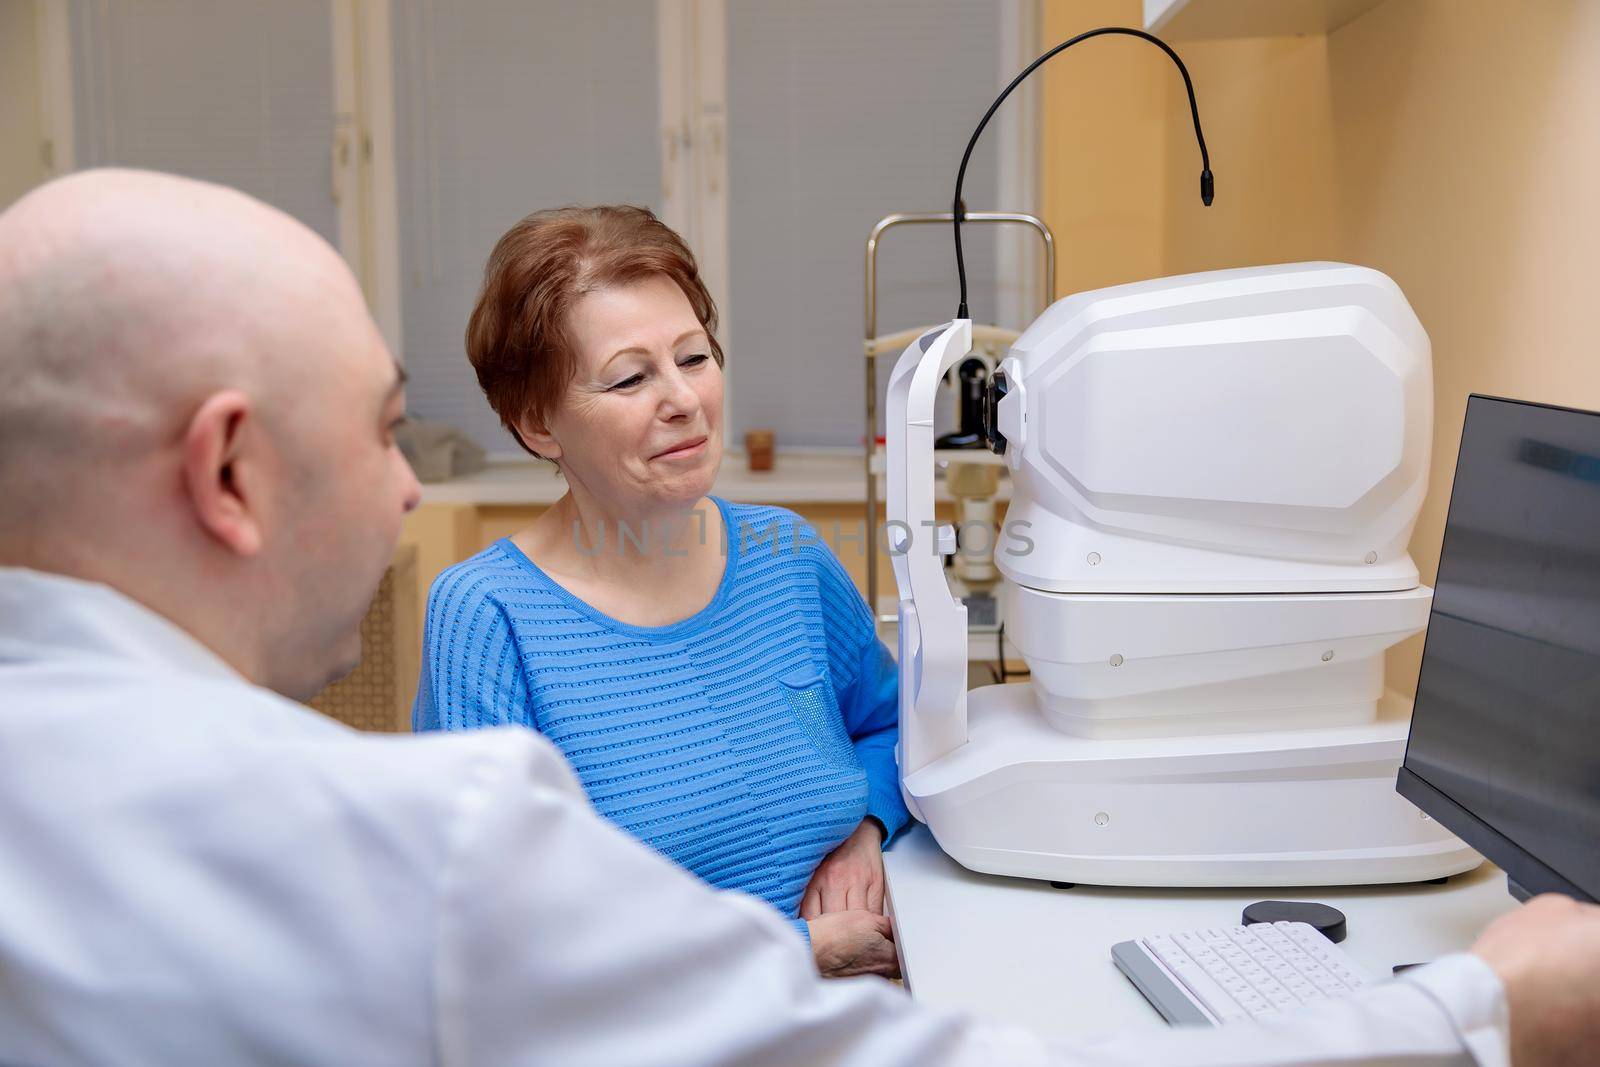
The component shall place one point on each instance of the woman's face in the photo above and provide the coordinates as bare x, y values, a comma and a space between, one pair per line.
640, 426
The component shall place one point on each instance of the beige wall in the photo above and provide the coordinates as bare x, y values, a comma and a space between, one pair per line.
1121, 172
1453, 144
1467, 141
1102, 113
1265, 110
21, 124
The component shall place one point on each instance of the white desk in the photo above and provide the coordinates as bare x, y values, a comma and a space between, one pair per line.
1028, 953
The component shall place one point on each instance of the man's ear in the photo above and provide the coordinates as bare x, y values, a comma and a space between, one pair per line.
538, 438
223, 474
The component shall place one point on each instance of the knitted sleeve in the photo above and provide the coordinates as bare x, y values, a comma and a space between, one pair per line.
471, 672
867, 684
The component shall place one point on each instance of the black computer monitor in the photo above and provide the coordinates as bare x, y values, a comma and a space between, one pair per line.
1505, 735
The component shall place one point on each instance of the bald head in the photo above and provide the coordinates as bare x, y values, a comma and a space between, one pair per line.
194, 409
126, 297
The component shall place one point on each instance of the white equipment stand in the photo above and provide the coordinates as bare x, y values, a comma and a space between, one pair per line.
1215, 480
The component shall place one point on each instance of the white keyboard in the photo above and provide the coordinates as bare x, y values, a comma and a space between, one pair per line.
1226, 973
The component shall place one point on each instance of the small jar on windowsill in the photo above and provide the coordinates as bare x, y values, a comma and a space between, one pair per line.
758, 449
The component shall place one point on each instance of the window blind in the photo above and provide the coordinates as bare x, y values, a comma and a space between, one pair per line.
841, 112
240, 94
503, 107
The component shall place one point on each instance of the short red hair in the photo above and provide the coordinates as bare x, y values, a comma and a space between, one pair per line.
517, 338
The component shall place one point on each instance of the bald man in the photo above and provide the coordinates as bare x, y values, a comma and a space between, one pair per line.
198, 493
193, 401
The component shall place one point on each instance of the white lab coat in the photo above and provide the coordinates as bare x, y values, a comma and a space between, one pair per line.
195, 871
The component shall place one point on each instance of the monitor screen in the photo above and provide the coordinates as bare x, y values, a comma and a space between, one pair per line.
1505, 734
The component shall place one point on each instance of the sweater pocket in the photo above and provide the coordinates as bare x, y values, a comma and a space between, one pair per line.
816, 709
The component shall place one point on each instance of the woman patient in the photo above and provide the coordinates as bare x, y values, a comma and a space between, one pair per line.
708, 668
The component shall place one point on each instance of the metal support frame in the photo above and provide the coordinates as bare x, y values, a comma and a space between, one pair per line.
870, 345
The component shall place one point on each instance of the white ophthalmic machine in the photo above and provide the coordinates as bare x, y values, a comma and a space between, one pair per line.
1215, 478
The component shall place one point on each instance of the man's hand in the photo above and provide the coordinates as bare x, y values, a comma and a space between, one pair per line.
1547, 954
847, 943
850, 877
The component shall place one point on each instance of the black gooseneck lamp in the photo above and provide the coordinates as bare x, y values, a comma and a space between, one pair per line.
1207, 185
997, 386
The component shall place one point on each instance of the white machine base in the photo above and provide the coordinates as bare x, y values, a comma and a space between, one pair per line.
1264, 808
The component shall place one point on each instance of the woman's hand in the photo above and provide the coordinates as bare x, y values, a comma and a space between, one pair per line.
850, 877
847, 943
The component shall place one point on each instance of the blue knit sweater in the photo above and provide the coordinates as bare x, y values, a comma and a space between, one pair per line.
744, 742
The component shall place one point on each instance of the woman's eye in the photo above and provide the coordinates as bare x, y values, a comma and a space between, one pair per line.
694, 360
629, 382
